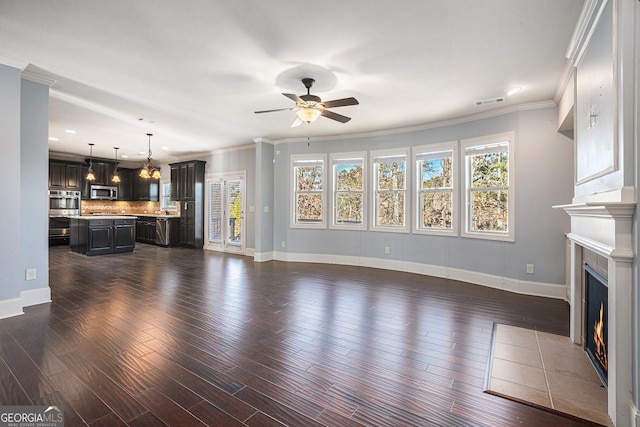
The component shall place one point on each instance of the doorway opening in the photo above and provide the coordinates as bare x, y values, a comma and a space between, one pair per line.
226, 207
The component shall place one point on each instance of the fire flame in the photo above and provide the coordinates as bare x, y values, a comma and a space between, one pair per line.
598, 338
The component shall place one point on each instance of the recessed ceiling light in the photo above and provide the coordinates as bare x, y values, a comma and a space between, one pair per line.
53, 139
165, 148
514, 90
71, 131
142, 152
124, 156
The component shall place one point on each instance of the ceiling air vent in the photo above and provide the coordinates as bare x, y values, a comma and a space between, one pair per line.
490, 101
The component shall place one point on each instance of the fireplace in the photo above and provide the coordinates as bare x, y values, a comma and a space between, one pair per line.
601, 237
596, 323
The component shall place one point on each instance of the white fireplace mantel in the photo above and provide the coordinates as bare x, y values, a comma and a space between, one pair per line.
606, 228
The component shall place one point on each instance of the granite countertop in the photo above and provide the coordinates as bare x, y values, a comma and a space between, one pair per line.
159, 215
90, 217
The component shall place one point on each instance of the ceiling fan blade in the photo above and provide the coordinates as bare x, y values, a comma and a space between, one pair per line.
293, 97
271, 111
340, 102
334, 116
297, 122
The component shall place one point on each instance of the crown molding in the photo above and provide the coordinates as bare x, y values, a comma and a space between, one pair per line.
37, 78
451, 122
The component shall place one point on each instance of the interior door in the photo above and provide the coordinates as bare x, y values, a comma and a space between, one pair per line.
225, 223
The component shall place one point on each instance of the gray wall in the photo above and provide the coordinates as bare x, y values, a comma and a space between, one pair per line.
24, 152
10, 265
544, 177
264, 197
34, 178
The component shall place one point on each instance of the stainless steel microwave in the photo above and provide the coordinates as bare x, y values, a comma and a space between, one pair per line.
104, 192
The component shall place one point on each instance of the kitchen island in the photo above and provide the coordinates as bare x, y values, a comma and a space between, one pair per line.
102, 234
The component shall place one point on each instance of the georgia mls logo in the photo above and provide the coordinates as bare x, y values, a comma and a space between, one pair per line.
31, 416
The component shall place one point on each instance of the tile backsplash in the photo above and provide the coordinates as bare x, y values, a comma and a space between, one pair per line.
89, 207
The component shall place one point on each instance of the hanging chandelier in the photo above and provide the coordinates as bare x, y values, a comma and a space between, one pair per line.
149, 171
116, 174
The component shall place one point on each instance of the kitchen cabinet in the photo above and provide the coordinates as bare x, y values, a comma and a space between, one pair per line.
103, 172
187, 187
102, 236
146, 189
189, 235
126, 186
73, 176
65, 175
146, 229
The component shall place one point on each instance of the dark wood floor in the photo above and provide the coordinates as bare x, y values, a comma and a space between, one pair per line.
183, 337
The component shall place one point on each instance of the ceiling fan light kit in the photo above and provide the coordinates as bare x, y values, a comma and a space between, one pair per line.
310, 107
308, 114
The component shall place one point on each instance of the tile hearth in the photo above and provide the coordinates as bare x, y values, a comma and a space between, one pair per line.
548, 371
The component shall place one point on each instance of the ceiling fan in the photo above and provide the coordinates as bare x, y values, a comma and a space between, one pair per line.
310, 107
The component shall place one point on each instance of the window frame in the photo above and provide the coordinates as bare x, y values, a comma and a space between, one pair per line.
487, 141
298, 158
342, 158
166, 202
373, 211
428, 149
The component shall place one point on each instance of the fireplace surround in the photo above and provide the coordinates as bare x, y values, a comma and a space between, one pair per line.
605, 228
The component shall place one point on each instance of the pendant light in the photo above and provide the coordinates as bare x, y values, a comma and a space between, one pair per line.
148, 170
90, 175
116, 174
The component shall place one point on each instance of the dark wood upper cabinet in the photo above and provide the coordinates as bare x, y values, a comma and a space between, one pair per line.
146, 189
73, 176
65, 175
187, 178
56, 175
125, 187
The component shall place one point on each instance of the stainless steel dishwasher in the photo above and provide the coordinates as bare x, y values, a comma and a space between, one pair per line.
163, 231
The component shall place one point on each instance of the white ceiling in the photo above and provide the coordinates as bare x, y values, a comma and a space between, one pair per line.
193, 72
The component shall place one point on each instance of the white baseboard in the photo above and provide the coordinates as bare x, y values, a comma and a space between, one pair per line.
35, 296
10, 307
549, 290
263, 256
13, 307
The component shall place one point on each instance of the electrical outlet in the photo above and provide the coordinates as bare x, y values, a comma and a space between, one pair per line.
529, 268
283, 244
386, 249
30, 274
265, 209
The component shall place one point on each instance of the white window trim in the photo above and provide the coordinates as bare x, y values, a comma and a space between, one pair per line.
163, 206
509, 236
455, 209
292, 199
373, 206
332, 202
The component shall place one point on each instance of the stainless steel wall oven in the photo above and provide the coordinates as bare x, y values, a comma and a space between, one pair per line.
62, 205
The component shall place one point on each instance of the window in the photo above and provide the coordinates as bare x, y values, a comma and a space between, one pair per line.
389, 190
348, 200
437, 194
165, 202
308, 191
489, 194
